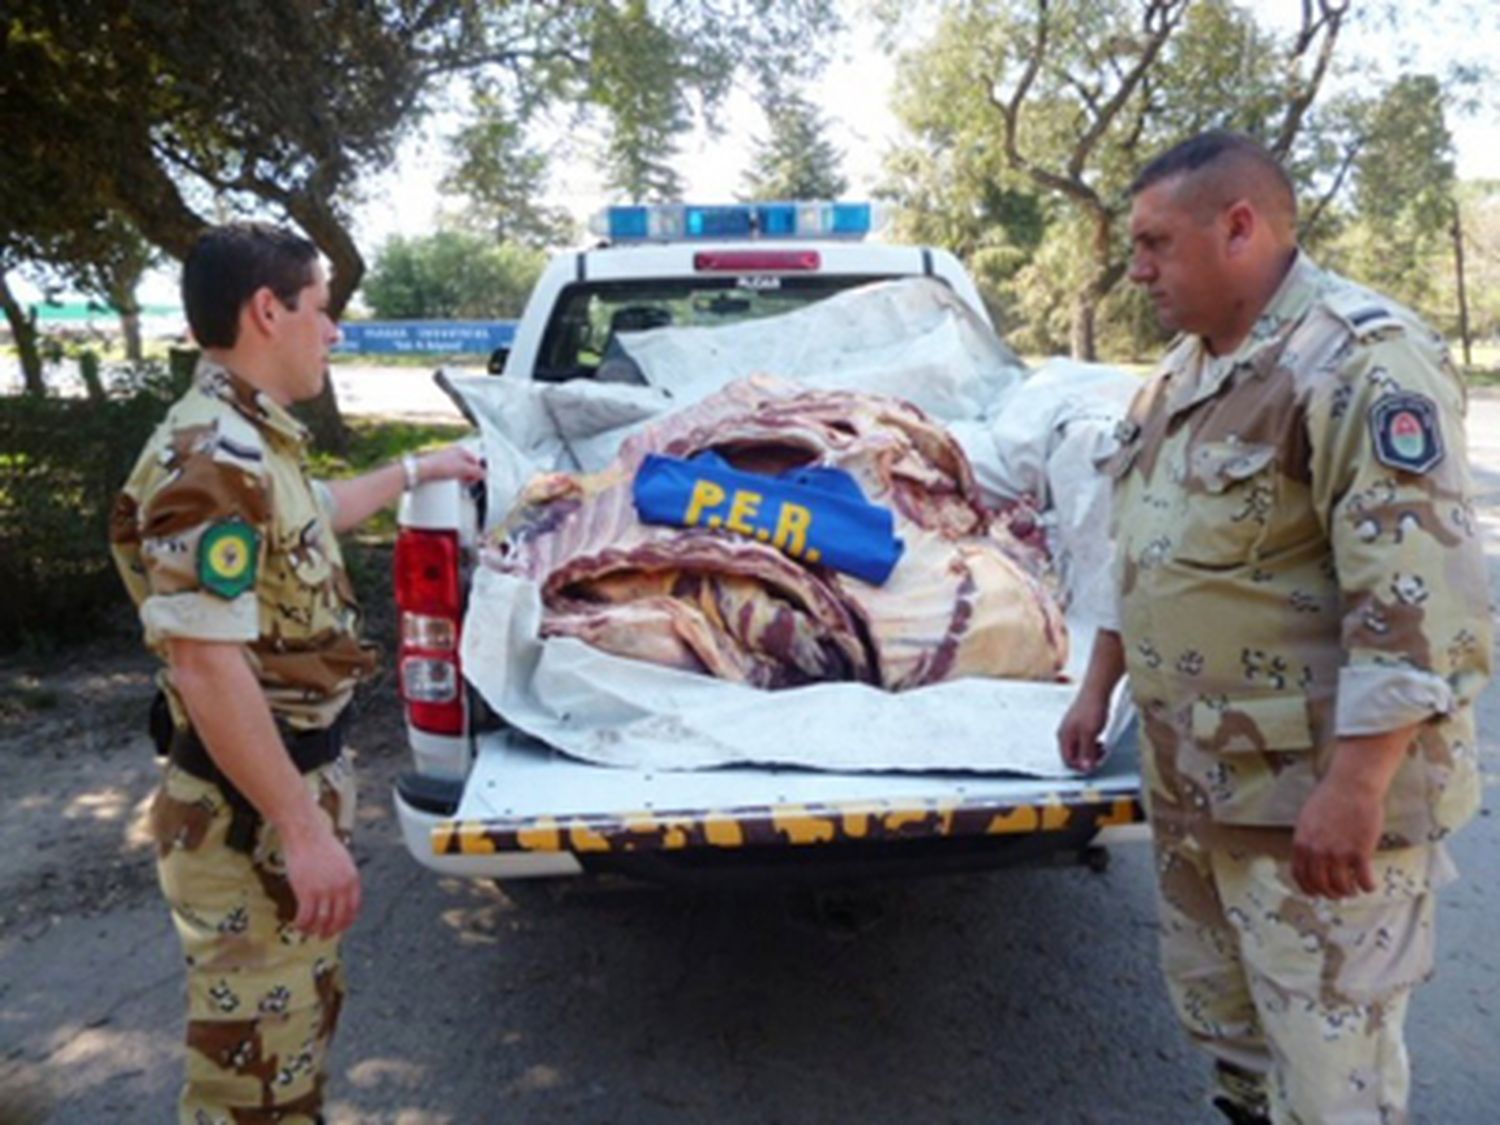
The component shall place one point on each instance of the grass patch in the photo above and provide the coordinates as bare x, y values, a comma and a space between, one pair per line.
430, 360
377, 441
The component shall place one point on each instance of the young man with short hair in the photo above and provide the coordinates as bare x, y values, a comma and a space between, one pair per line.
228, 548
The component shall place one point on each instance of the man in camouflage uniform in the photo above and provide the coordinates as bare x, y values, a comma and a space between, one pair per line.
228, 549
1302, 615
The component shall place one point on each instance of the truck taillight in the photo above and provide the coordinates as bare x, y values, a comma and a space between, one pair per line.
429, 597
744, 261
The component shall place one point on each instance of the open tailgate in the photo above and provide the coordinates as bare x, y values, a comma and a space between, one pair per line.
529, 810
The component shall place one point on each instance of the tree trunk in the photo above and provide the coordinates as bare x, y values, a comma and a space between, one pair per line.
122, 298
1463, 298
324, 227
88, 371
1107, 274
23, 332
1085, 310
130, 326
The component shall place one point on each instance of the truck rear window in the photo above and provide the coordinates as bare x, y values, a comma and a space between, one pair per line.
579, 339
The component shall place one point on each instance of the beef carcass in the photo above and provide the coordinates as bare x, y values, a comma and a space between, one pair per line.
968, 597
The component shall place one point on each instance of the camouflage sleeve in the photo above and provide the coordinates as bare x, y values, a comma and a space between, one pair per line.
1391, 484
203, 523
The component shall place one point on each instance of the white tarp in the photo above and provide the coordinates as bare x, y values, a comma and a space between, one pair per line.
1037, 436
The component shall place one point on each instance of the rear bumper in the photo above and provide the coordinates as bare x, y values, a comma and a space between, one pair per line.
420, 827
519, 847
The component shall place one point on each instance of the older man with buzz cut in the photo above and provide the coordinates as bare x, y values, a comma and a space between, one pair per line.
1302, 617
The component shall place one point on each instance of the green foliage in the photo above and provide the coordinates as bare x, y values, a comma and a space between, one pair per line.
504, 178
1063, 103
1479, 212
633, 72
1395, 235
797, 160
373, 443
451, 274
174, 107
63, 463
644, 86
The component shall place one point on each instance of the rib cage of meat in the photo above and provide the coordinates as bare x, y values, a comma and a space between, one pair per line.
966, 599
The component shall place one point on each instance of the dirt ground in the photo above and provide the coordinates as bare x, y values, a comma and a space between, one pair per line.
77, 771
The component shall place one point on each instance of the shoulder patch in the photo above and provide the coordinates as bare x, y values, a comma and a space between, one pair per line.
227, 555
1405, 431
1363, 314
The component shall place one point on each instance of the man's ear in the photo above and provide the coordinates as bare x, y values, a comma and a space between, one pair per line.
1240, 223
261, 311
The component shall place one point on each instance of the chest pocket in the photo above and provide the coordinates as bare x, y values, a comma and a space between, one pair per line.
303, 563
1229, 494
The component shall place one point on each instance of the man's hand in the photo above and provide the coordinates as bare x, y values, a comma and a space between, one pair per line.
325, 882
1078, 733
1335, 840
1340, 824
358, 498
452, 462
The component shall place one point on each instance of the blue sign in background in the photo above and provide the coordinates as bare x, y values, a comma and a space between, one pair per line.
413, 336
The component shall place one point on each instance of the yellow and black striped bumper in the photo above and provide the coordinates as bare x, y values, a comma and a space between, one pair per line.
787, 825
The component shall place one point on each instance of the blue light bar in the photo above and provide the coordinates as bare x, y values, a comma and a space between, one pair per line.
851, 219
673, 222
777, 220
629, 223
720, 222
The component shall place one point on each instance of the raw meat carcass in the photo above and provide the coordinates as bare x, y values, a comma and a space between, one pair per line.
967, 597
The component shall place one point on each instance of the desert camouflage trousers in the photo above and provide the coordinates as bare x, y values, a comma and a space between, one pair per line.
263, 998
1300, 1000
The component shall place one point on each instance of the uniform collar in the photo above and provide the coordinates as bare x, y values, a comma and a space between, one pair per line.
258, 408
1260, 348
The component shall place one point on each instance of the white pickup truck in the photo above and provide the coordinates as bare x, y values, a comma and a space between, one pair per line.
486, 800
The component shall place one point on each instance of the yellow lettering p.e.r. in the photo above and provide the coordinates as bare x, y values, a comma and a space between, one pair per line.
706, 494
745, 506
792, 523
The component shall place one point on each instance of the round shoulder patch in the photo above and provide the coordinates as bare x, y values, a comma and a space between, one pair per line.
227, 555
1405, 431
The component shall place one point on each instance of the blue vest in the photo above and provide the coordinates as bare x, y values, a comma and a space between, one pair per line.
815, 515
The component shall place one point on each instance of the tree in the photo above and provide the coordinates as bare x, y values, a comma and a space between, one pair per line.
1403, 192
181, 109
797, 160
1074, 95
451, 274
1479, 210
23, 334
505, 179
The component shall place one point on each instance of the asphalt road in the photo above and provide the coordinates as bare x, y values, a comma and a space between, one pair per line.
1026, 995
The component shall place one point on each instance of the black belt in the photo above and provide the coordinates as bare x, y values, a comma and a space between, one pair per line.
308, 749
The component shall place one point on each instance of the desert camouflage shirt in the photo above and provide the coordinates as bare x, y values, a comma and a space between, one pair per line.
1297, 559
220, 535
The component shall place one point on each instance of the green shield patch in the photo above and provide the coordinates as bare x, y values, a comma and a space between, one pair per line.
227, 558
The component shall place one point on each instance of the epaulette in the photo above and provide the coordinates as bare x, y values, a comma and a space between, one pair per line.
1365, 314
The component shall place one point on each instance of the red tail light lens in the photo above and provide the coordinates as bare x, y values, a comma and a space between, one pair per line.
430, 598
747, 261
427, 573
